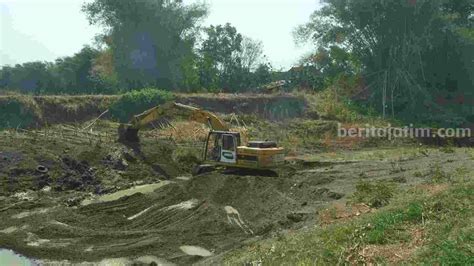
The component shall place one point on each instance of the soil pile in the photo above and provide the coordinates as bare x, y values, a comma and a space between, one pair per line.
215, 212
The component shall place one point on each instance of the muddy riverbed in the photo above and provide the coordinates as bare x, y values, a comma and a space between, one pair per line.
71, 197
188, 219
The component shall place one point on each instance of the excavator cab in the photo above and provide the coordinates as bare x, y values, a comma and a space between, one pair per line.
224, 148
221, 147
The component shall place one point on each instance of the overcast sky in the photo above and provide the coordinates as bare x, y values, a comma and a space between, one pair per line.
32, 30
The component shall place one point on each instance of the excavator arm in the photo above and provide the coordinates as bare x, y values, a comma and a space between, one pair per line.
129, 132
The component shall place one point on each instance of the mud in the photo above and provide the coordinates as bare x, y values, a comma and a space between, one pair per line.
78, 176
102, 202
187, 219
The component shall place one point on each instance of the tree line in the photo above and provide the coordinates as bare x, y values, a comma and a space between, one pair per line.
409, 59
150, 43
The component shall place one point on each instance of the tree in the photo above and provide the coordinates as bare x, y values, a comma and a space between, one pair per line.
150, 39
263, 74
399, 44
29, 77
228, 59
72, 75
251, 54
220, 56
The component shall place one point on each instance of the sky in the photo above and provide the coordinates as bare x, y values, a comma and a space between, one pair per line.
43, 30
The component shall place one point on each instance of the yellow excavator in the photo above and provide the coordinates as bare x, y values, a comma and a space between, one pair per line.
223, 147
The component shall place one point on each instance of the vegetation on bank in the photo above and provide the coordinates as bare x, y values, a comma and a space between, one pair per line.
405, 60
136, 102
426, 224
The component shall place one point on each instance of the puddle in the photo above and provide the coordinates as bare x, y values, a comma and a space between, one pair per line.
115, 261
8, 257
139, 214
144, 189
30, 213
186, 205
196, 251
54, 222
34, 241
9, 230
25, 196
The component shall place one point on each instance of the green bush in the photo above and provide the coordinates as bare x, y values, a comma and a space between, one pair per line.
138, 101
376, 194
16, 113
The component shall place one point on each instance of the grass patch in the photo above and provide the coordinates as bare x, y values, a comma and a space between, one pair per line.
438, 175
374, 194
444, 218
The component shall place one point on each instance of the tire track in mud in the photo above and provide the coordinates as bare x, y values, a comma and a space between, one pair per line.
214, 212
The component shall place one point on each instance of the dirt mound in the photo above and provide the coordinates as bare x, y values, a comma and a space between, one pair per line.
77, 176
214, 212
271, 107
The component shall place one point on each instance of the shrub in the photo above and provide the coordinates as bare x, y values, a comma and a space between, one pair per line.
336, 107
138, 101
376, 194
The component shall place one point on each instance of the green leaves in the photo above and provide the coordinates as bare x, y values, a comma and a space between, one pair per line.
150, 39
411, 53
138, 101
374, 194
227, 60
68, 75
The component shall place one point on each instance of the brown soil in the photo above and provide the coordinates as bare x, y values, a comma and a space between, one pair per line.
341, 212
72, 109
393, 253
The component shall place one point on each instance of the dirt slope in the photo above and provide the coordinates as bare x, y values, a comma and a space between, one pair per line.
30, 111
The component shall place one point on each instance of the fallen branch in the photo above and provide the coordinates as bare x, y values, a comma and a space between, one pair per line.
95, 120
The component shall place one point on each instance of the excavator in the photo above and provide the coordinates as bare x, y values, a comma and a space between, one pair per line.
223, 147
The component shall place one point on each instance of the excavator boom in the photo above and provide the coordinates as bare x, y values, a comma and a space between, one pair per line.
223, 147
129, 132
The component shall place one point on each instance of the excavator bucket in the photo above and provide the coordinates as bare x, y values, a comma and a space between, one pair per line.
128, 134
